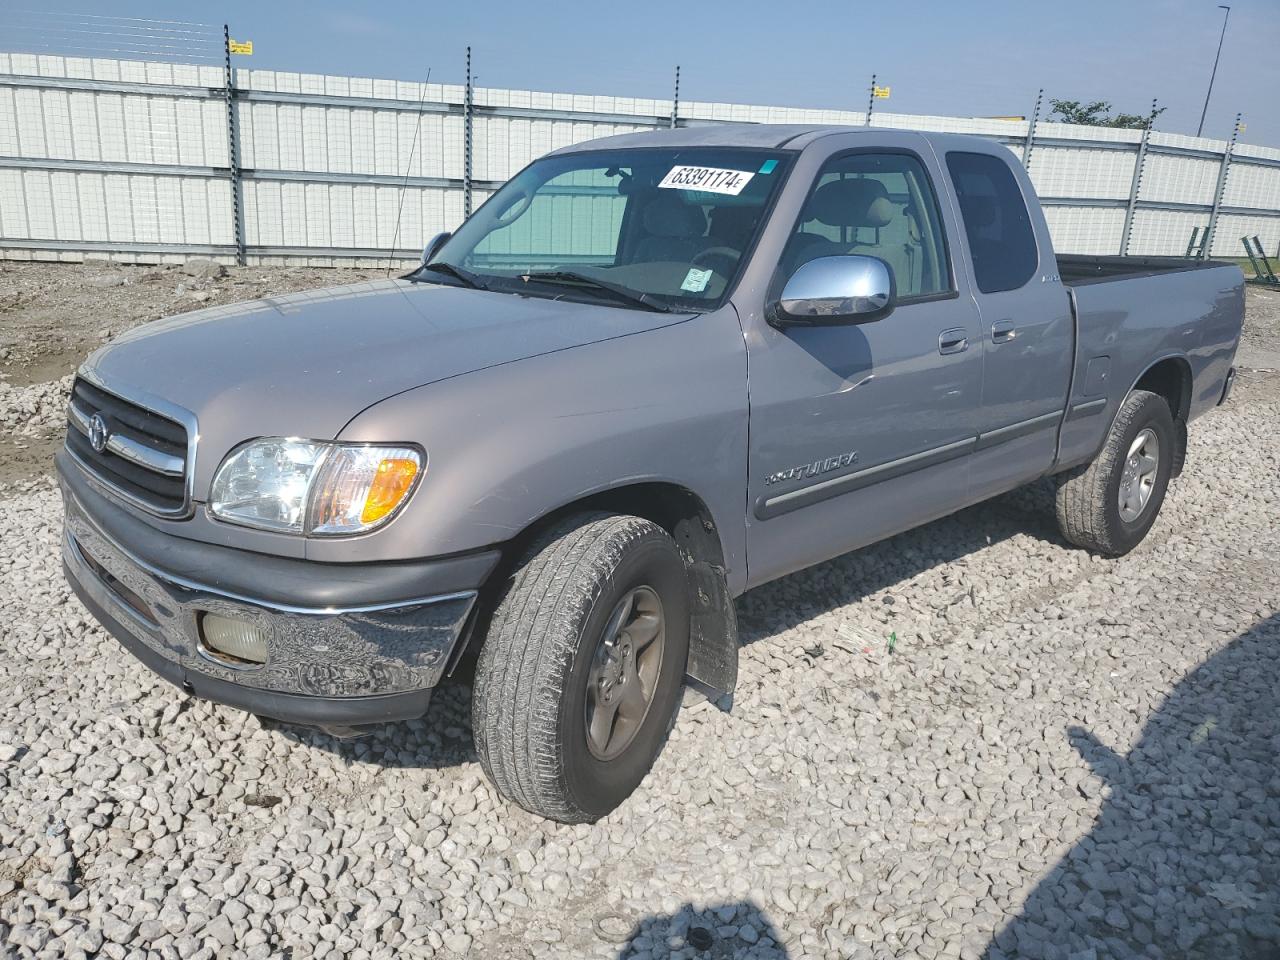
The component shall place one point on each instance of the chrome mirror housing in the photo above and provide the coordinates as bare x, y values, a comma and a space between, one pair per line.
831, 290
433, 246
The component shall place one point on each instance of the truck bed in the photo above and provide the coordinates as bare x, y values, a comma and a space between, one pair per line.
1168, 308
1078, 269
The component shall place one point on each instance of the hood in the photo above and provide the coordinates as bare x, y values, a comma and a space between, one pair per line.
306, 363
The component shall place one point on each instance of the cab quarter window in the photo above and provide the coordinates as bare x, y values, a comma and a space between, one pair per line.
996, 222
879, 205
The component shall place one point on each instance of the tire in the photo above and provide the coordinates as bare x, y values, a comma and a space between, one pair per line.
1088, 501
544, 648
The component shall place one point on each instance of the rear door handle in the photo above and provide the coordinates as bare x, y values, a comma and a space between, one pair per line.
1002, 331
955, 340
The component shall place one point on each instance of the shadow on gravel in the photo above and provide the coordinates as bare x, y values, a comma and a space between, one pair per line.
809, 593
440, 739
1184, 860
732, 930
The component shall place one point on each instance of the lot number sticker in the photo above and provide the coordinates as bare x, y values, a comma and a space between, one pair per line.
709, 179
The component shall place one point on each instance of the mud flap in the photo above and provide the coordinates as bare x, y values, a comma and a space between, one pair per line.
1180, 450
713, 631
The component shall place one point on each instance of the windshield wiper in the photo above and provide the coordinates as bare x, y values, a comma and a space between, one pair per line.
466, 277
572, 278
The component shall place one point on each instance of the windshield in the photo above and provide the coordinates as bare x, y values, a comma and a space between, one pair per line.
643, 228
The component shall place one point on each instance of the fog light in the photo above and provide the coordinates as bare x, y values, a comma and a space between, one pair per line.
234, 642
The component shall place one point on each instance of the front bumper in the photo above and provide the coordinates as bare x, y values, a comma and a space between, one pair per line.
342, 662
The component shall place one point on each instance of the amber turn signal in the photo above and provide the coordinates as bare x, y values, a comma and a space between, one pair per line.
391, 482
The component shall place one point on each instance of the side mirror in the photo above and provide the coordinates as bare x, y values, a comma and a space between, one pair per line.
832, 290
433, 246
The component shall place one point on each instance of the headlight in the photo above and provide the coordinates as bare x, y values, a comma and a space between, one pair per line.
308, 487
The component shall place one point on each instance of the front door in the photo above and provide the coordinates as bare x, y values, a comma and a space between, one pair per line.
860, 431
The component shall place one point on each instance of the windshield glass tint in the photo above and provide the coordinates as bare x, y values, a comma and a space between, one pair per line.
674, 225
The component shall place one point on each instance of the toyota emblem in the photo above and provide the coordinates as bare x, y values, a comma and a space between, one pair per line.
98, 433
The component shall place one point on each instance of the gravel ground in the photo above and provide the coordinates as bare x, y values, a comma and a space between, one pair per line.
1260, 342
1057, 756
52, 315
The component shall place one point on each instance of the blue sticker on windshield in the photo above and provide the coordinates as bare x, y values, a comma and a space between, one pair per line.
768, 165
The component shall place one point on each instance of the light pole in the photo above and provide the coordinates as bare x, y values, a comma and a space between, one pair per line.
1225, 17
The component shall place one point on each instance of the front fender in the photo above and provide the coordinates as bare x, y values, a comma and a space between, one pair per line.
508, 445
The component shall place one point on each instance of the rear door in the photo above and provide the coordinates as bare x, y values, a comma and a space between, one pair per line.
1027, 337
859, 431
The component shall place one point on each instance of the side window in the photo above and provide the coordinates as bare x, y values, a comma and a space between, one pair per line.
996, 221
879, 205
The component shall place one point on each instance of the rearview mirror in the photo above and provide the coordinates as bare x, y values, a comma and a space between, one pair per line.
433, 246
832, 290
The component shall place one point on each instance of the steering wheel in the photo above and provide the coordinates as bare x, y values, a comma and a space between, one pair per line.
726, 255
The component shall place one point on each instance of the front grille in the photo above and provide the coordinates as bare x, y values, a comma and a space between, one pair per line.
142, 454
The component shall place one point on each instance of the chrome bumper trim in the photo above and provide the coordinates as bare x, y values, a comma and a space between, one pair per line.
331, 652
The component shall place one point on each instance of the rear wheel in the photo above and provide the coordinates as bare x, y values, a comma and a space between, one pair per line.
1110, 504
580, 673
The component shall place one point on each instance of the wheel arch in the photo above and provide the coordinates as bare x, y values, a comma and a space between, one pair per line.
713, 628
1171, 378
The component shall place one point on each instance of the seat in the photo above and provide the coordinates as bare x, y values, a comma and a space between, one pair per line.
674, 230
858, 202
914, 247
980, 215
732, 226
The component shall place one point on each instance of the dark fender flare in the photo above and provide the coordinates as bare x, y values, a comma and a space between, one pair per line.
713, 627
713, 630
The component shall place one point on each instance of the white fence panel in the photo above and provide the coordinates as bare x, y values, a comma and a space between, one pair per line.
1082, 173
1166, 232
1176, 179
1094, 230
130, 159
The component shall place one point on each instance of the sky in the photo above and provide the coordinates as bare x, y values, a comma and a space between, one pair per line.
977, 58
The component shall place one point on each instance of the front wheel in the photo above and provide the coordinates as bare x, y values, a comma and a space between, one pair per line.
1110, 504
580, 673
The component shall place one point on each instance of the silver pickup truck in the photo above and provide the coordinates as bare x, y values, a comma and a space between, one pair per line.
650, 373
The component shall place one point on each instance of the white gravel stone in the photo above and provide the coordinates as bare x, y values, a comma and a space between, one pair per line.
1064, 756
35, 410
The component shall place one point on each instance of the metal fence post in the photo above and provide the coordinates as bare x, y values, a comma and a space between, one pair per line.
233, 158
468, 120
1031, 131
1135, 186
1207, 250
675, 102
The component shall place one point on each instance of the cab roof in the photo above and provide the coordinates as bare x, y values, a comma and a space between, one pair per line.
789, 136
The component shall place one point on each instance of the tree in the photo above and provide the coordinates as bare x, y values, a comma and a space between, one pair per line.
1097, 113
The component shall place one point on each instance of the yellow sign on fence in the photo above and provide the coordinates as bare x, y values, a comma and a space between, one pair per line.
880, 93
242, 47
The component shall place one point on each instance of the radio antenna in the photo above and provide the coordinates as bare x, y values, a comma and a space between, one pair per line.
395, 237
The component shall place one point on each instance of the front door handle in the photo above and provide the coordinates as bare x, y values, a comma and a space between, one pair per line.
955, 340
1002, 331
